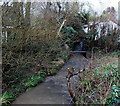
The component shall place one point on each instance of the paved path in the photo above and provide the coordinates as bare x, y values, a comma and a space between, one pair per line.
53, 90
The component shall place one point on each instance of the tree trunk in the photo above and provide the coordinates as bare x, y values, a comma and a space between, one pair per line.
58, 34
27, 14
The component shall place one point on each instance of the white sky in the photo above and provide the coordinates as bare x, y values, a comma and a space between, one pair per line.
100, 5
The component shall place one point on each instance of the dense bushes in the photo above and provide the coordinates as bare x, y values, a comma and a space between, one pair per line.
19, 58
32, 49
27, 63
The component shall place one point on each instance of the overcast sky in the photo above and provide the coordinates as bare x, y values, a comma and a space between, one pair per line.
100, 5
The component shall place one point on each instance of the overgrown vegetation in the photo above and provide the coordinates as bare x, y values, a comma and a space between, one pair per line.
33, 48
27, 64
32, 52
100, 84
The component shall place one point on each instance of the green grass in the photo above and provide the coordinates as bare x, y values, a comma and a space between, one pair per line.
27, 84
35, 79
6, 98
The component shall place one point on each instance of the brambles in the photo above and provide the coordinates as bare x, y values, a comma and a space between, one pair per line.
100, 84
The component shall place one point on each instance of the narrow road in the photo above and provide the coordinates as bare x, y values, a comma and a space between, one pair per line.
53, 90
